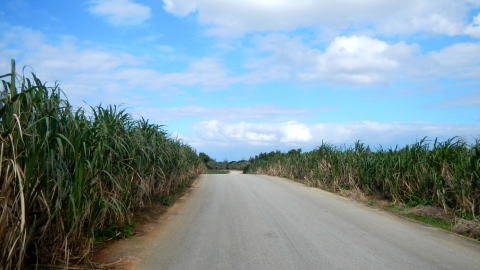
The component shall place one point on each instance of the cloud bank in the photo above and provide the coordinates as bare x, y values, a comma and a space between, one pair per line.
391, 17
294, 134
361, 60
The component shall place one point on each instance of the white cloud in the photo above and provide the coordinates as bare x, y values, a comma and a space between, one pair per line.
206, 73
114, 74
361, 59
293, 132
180, 7
66, 61
290, 134
347, 59
225, 17
460, 60
286, 58
120, 12
474, 28
246, 113
354, 60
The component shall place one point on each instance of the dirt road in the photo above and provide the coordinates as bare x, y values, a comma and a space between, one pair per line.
236, 221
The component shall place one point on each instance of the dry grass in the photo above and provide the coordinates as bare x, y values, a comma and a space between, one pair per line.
467, 227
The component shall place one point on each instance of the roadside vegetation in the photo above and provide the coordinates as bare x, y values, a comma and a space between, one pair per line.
213, 171
216, 166
70, 176
426, 175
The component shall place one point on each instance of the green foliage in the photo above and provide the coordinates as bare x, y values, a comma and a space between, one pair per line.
114, 232
212, 164
65, 172
435, 222
166, 200
204, 157
445, 174
227, 165
212, 171
418, 201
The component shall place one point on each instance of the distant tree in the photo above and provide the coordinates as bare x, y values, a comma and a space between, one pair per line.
204, 157
295, 152
222, 165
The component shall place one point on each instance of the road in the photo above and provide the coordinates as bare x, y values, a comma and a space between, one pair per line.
237, 221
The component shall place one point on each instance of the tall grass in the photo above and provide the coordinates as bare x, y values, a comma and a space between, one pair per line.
67, 172
445, 174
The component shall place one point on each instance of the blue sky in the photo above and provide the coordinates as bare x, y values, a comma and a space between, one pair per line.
233, 78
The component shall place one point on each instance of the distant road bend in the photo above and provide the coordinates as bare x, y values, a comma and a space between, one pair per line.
237, 221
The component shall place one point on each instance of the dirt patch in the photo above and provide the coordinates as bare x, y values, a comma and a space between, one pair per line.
428, 211
125, 254
355, 194
382, 203
467, 227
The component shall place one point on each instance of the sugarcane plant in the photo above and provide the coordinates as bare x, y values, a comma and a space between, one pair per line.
444, 174
67, 172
